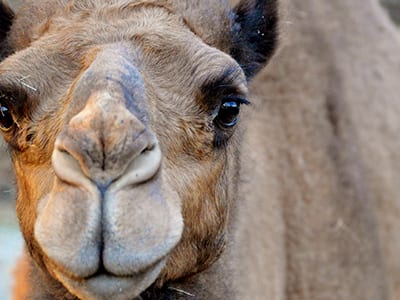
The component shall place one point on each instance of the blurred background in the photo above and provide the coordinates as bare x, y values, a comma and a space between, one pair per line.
10, 238
393, 7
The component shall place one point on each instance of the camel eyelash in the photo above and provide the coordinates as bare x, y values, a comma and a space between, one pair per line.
239, 99
6, 98
14, 98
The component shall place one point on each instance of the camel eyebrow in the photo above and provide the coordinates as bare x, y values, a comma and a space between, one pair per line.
14, 91
225, 81
8, 96
13, 95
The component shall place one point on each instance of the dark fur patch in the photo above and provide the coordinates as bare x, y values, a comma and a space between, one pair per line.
6, 19
254, 34
163, 293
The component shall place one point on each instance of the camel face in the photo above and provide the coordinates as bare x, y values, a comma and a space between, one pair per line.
116, 215
137, 179
123, 123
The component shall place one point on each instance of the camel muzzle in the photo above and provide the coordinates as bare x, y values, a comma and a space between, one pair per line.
110, 218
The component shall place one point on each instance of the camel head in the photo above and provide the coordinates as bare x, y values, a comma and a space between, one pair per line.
122, 120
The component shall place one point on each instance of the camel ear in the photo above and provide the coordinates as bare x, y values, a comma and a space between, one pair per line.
6, 19
255, 34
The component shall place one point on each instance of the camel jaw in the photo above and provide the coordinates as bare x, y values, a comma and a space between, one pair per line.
107, 286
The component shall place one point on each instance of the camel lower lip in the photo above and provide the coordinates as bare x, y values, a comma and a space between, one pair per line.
108, 286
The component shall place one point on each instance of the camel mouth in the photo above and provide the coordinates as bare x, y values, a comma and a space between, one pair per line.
103, 244
118, 235
102, 271
105, 285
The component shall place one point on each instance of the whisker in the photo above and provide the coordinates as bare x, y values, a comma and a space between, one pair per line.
181, 291
21, 81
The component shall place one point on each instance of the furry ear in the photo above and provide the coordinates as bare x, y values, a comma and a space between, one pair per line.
6, 19
254, 33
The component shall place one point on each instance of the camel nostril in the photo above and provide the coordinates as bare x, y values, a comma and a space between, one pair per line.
143, 168
69, 170
148, 148
73, 169
64, 152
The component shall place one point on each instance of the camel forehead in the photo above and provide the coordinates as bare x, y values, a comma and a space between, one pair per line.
82, 23
152, 30
106, 25
36, 14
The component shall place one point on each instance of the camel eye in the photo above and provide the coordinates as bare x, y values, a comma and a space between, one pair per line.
6, 118
228, 114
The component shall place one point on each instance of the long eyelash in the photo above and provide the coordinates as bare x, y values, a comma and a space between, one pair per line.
241, 100
6, 97
244, 101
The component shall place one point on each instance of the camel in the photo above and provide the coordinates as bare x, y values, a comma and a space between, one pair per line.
156, 157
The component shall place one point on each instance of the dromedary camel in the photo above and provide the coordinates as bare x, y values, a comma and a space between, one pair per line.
141, 174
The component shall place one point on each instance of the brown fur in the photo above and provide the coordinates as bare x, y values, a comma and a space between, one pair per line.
78, 124
327, 159
314, 213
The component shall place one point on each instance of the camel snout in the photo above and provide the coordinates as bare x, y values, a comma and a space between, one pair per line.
108, 163
107, 145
